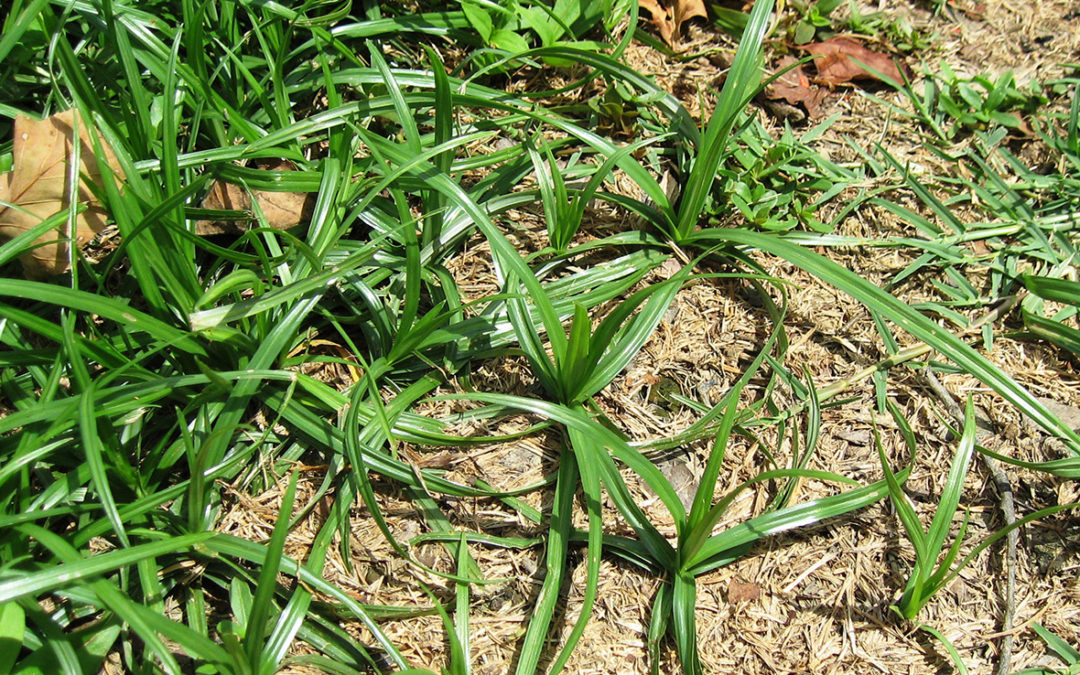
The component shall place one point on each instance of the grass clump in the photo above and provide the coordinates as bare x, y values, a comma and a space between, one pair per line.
147, 388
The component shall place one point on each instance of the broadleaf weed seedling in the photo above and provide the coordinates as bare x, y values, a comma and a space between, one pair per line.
897, 31
513, 26
952, 105
780, 183
814, 21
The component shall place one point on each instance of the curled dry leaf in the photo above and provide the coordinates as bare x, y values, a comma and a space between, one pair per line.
669, 15
38, 187
283, 210
840, 60
795, 87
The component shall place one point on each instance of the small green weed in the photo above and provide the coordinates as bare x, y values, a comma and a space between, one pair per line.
952, 105
515, 27
897, 31
814, 22
779, 183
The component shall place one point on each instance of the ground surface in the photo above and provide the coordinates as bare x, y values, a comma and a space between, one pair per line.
817, 600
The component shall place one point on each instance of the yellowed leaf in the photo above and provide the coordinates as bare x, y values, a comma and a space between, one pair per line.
669, 16
38, 187
283, 210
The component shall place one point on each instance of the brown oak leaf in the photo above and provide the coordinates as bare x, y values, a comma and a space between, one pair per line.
669, 15
842, 59
283, 210
795, 87
39, 186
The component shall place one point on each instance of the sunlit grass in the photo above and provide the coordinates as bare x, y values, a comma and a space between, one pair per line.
131, 385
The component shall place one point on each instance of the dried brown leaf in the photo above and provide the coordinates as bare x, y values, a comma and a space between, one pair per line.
742, 591
980, 248
976, 11
840, 60
795, 88
283, 210
670, 16
38, 187
688, 9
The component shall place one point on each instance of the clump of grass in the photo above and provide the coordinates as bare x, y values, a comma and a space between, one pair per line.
137, 387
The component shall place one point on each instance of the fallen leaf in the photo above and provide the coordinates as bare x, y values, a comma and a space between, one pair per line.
670, 16
976, 11
795, 88
742, 591
283, 210
840, 60
670, 268
38, 187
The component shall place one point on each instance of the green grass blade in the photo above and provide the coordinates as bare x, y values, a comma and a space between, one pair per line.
555, 570
606, 439
92, 446
16, 25
460, 642
1052, 331
12, 629
695, 538
141, 621
683, 624
257, 554
659, 621
107, 308
703, 497
618, 340
954, 484
1068, 467
741, 81
58, 577
712, 552
1063, 649
1049, 288
590, 484
906, 318
961, 669
262, 605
